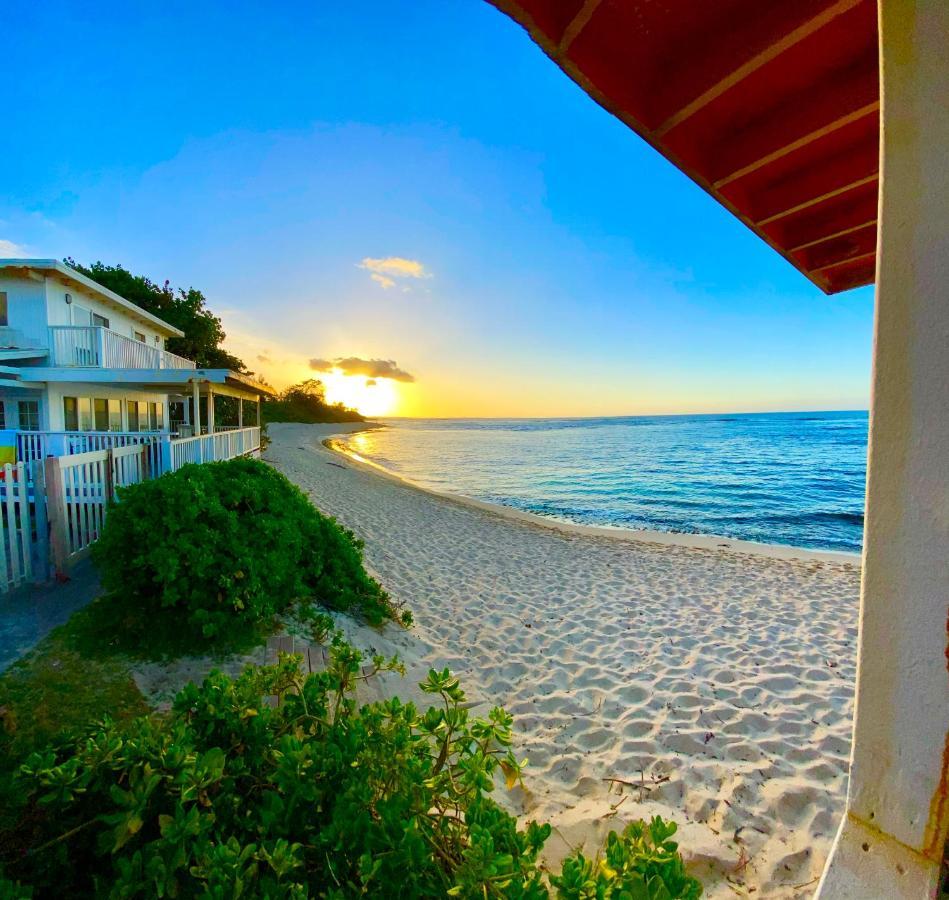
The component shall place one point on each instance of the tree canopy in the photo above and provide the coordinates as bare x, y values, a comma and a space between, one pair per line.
306, 402
185, 309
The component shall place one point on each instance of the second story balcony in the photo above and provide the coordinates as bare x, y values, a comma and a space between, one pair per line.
93, 346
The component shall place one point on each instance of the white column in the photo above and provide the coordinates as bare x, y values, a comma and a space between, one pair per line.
240, 412
196, 397
258, 410
891, 840
210, 408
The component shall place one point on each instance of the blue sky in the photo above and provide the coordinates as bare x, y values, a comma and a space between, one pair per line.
566, 268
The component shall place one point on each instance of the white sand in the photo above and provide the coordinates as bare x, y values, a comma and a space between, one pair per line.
720, 677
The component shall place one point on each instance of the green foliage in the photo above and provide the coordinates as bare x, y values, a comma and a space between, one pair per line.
229, 796
229, 544
306, 402
185, 309
640, 864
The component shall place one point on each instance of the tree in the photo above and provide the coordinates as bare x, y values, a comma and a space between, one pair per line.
306, 402
185, 309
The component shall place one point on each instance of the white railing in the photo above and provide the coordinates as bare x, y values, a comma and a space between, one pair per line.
31, 445
213, 447
92, 346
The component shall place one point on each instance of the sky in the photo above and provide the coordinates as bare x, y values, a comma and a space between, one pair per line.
409, 201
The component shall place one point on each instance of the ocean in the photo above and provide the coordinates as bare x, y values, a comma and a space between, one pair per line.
778, 478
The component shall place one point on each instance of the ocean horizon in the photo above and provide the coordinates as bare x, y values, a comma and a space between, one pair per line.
791, 478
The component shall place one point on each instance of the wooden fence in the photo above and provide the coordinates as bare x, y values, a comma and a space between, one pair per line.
79, 489
19, 532
53, 509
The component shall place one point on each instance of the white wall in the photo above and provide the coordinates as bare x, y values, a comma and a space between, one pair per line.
56, 391
59, 312
26, 306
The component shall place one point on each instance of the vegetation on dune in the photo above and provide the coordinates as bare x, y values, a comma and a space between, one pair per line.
306, 402
275, 783
185, 309
232, 796
224, 546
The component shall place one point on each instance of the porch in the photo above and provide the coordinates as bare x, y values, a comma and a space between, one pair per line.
164, 451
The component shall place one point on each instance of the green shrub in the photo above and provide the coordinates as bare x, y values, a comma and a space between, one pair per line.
640, 864
229, 796
230, 542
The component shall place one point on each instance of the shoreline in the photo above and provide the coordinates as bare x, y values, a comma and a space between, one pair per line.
693, 541
710, 686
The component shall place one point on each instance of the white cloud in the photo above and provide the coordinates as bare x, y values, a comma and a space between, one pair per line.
9, 250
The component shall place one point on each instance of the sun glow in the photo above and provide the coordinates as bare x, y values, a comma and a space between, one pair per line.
370, 396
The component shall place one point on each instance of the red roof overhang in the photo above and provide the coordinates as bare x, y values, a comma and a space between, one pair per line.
772, 106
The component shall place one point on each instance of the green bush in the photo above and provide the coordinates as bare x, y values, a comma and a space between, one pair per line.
229, 543
640, 864
228, 796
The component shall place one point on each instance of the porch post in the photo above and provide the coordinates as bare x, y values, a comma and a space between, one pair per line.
258, 410
240, 412
210, 408
196, 397
891, 840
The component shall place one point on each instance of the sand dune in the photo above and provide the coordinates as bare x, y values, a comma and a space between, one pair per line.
712, 686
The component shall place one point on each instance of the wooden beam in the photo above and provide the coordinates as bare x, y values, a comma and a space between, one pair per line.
758, 61
820, 198
832, 235
577, 24
801, 142
843, 262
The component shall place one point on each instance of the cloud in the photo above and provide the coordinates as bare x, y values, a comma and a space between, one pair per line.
263, 358
386, 270
9, 250
371, 382
383, 280
370, 368
397, 266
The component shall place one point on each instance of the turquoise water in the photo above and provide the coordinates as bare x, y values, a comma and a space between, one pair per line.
778, 478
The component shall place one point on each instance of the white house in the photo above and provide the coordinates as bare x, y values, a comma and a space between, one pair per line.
82, 368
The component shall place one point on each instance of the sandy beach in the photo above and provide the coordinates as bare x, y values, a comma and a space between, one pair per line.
696, 678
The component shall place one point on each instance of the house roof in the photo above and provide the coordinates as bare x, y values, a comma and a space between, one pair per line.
772, 108
68, 275
167, 380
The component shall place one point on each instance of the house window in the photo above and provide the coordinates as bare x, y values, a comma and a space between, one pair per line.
85, 414
115, 415
132, 406
3, 416
100, 413
153, 416
70, 414
139, 336
3, 308
29, 412
101, 321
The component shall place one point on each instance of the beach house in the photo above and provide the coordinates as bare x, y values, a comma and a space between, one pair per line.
821, 125
84, 369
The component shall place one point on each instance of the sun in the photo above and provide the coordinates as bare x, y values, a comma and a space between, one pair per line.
370, 396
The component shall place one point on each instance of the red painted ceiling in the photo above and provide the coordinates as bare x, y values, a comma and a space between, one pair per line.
772, 106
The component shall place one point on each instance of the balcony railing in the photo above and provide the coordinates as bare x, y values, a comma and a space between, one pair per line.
92, 346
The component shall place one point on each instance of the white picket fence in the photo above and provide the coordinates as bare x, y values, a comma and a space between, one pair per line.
19, 537
53, 509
